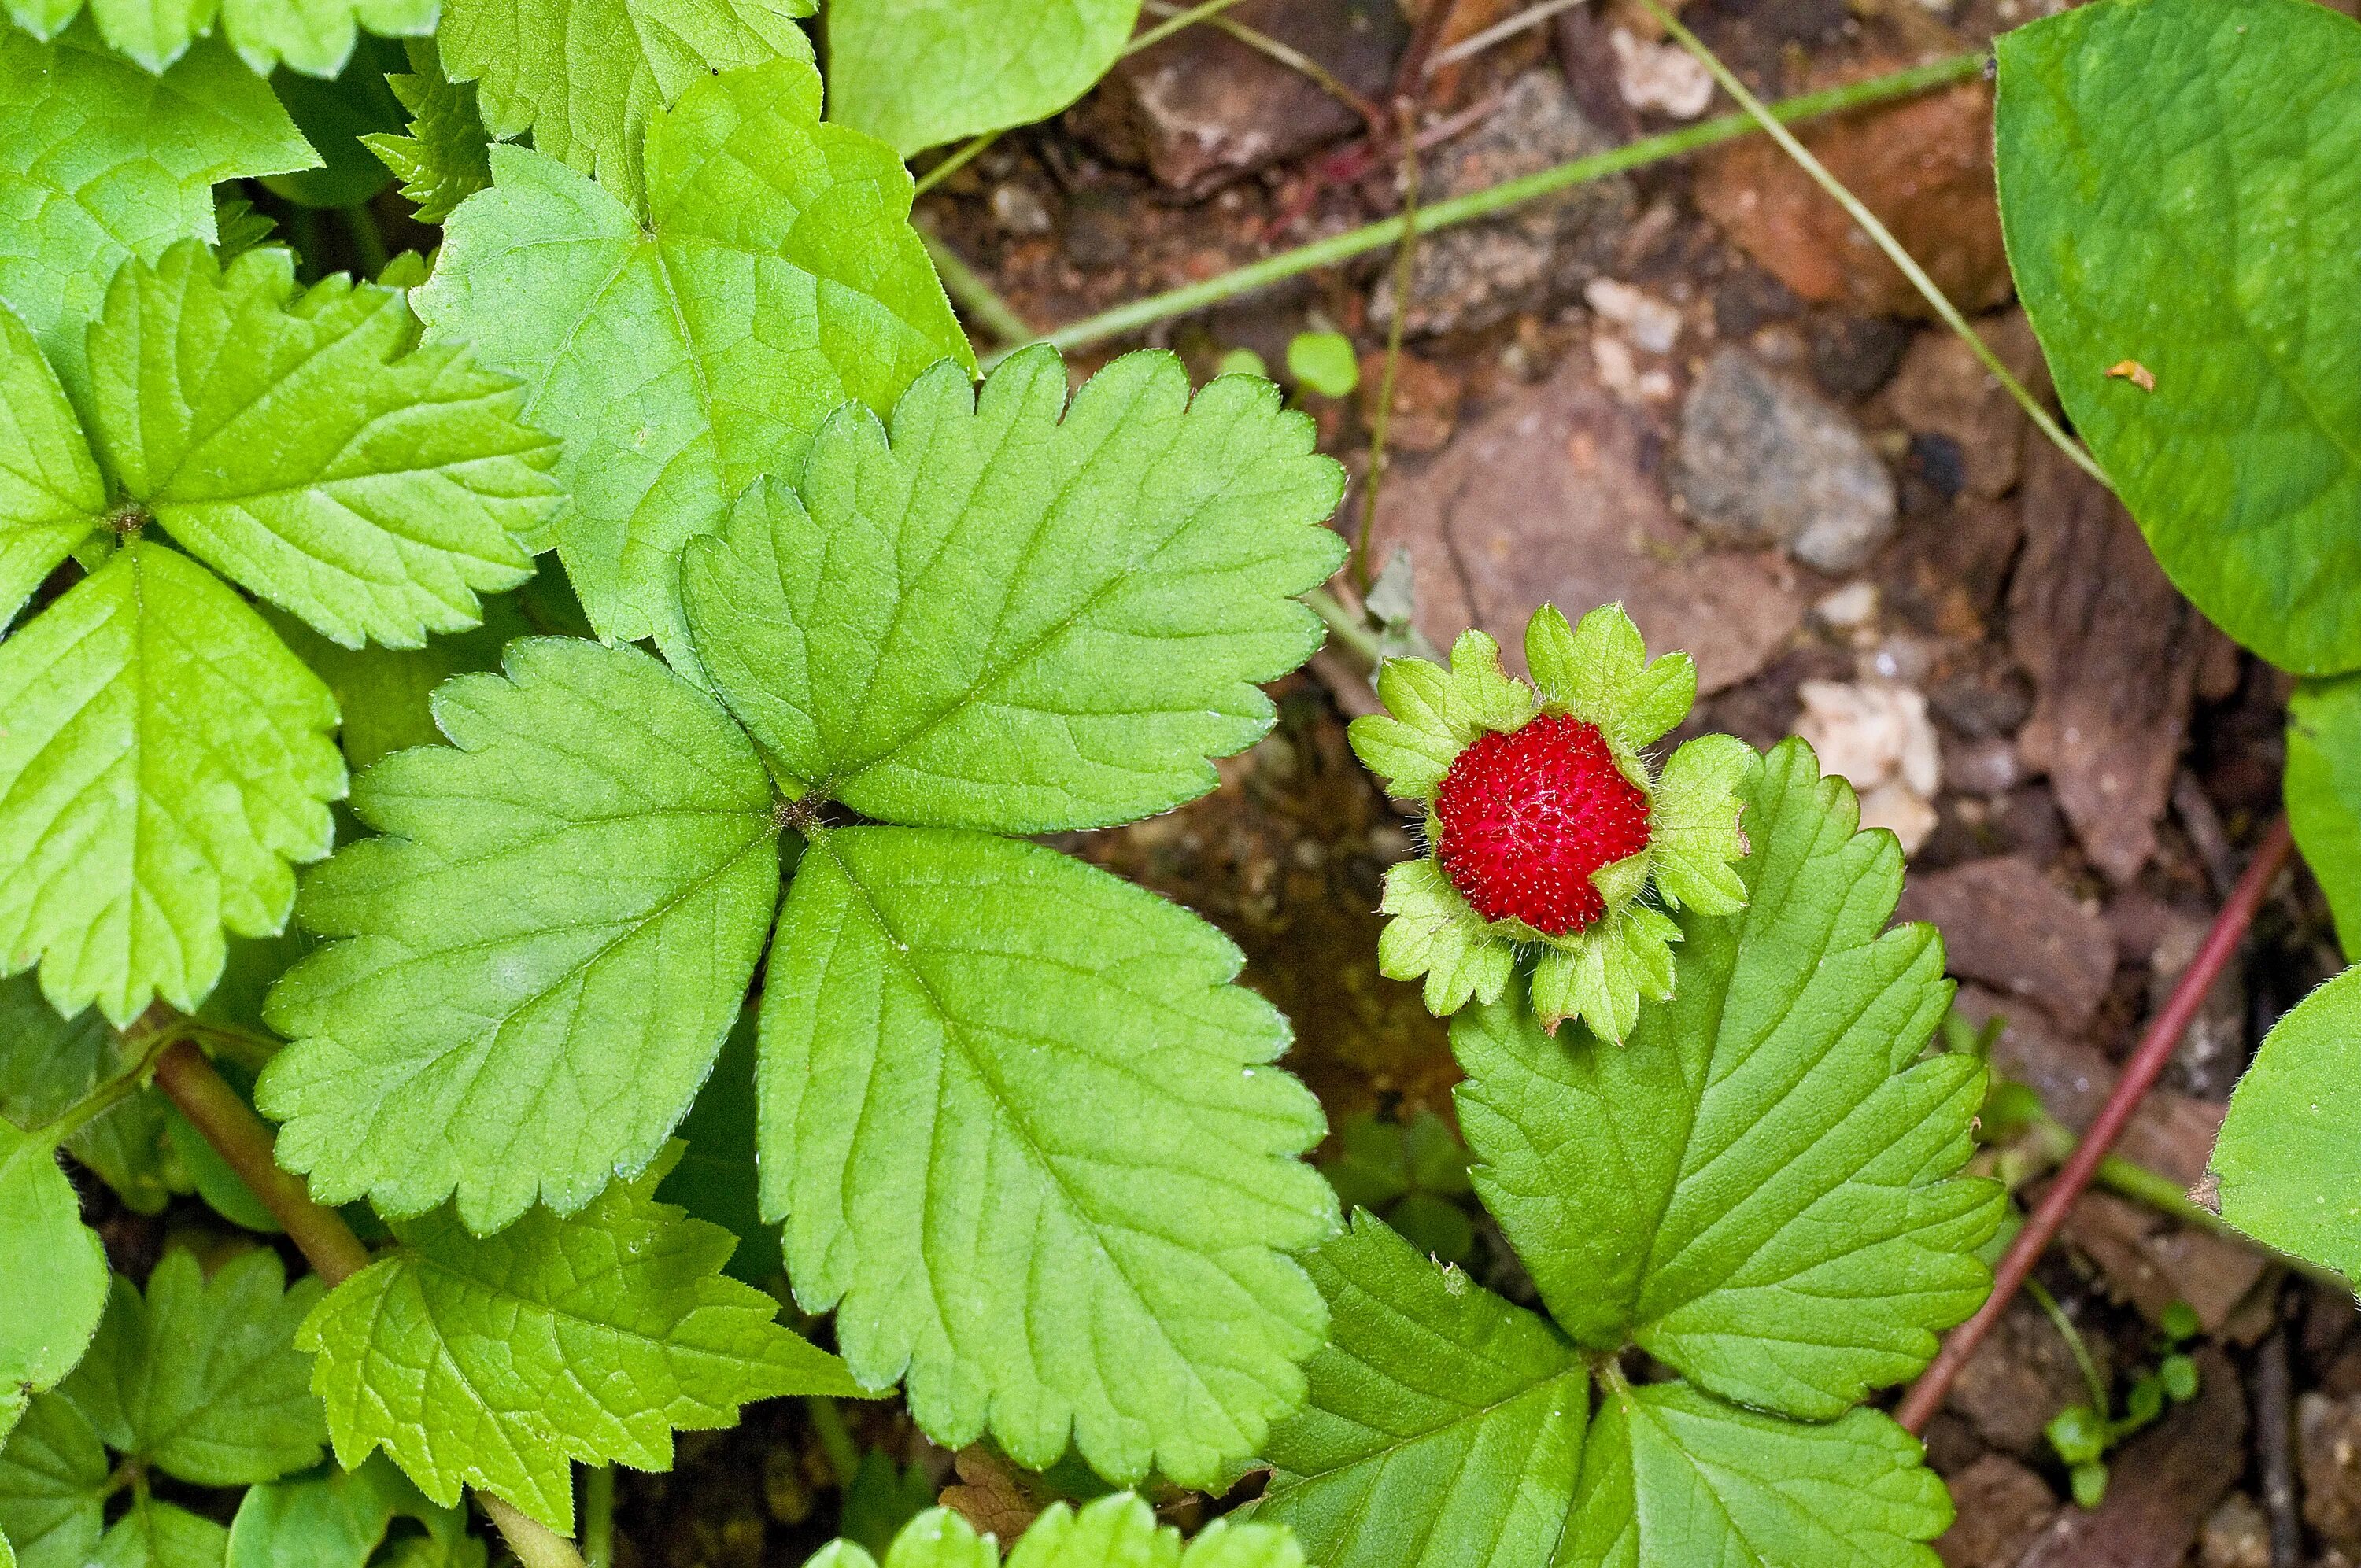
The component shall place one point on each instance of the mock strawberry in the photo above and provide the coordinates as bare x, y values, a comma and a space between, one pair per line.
1529, 816
1555, 837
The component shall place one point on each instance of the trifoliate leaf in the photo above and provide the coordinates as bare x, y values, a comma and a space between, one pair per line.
1432, 714
2323, 794
1600, 673
200, 1378
101, 160
159, 1535
50, 493
1757, 1186
491, 1362
554, 934
332, 1519
1444, 1426
49, 1063
165, 758
636, 339
1671, 1476
2289, 1156
53, 1485
53, 1273
445, 156
2176, 184
1115, 1531
300, 442
917, 73
1008, 620
1029, 1147
587, 77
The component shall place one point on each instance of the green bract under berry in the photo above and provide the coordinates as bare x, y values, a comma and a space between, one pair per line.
1552, 832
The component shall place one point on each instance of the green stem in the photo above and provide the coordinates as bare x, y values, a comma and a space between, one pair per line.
2092, 1379
1373, 477
535, 1544
972, 294
954, 162
1125, 320
1351, 630
598, 1516
368, 240
108, 1095
835, 1438
1883, 238
1173, 24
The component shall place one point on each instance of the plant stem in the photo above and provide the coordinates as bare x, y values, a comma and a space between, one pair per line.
598, 1516
244, 1144
2139, 1074
1373, 477
368, 240
1882, 238
968, 290
954, 163
1352, 630
1294, 60
107, 1095
2075, 1346
1476, 43
835, 1438
1125, 320
202, 1095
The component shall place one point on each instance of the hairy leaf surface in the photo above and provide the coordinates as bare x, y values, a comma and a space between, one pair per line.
50, 492
1444, 1427
492, 1361
2289, 1155
1758, 1187
1115, 1531
165, 758
200, 1378
552, 936
298, 442
53, 1277
775, 275
53, 1485
100, 161
917, 73
1029, 1147
1004, 619
1674, 1476
586, 77
2181, 183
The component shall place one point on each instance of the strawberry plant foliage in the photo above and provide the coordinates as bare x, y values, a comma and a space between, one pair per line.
631, 328
916, 73
1115, 1531
1758, 1187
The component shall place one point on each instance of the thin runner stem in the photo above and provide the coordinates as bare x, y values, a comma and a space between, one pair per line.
1882, 236
1139, 314
1373, 478
972, 294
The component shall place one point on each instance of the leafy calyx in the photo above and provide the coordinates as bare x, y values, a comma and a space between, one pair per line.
1554, 832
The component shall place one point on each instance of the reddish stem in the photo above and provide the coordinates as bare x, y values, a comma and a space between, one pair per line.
2139, 1075
237, 1134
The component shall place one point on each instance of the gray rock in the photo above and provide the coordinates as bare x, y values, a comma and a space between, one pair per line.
1766, 460
1533, 258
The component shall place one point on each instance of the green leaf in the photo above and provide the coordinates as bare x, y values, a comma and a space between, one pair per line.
53, 1485
2290, 1159
332, 1519
2176, 180
50, 494
1435, 933
553, 934
1432, 714
160, 1535
1443, 1425
490, 1362
445, 156
49, 1063
917, 73
588, 77
1323, 362
200, 1378
101, 160
313, 36
634, 336
1671, 1476
1600, 673
1758, 1186
52, 1271
1114, 1531
716, 1179
1006, 620
385, 694
1029, 1147
164, 760
335, 117
298, 441
2323, 794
